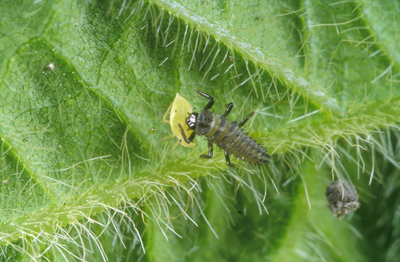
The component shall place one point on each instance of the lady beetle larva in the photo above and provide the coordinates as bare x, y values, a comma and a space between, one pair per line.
227, 135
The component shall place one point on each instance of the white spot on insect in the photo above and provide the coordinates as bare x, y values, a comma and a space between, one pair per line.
192, 118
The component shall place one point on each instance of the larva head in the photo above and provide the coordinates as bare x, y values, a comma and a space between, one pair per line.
192, 120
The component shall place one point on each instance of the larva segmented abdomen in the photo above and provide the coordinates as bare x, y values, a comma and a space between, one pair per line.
230, 137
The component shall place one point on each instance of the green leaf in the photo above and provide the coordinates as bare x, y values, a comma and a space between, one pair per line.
88, 172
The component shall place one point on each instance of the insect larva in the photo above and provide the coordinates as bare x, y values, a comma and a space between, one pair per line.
227, 135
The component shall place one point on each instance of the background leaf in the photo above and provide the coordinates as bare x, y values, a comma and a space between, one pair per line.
88, 175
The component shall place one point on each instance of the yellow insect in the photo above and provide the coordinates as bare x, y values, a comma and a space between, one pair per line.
179, 111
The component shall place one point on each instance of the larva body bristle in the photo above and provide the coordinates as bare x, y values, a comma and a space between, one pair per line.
228, 136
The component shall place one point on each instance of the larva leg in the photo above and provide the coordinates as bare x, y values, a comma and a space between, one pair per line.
188, 140
229, 109
211, 103
210, 151
245, 119
228, 160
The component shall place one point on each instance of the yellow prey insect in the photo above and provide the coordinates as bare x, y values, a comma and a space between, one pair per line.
179, 110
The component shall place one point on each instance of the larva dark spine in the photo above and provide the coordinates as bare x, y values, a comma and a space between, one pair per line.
227, 135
